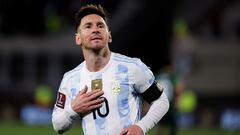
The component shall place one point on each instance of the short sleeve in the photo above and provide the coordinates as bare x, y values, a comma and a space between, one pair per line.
143, 77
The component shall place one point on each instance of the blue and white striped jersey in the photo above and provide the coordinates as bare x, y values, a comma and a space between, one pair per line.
122, 80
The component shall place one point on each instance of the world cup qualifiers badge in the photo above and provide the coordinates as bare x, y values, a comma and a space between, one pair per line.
115, 86
96, 84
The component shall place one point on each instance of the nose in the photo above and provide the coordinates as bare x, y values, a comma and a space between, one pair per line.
95, 29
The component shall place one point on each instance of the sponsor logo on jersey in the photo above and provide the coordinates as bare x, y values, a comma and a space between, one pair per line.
61, 99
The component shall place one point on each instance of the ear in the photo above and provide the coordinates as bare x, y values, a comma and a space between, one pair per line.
110, 37
78, 39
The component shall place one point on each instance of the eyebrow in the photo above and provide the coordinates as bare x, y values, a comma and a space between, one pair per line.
101, 23
88, 23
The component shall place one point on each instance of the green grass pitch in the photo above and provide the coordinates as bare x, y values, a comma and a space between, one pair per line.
13, 128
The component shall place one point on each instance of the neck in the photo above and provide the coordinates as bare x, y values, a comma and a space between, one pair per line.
96, 60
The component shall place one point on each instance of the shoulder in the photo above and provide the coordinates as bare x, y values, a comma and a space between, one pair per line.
74, 71
133, 62
126, 59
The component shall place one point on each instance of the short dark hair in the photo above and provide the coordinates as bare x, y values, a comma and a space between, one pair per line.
90, 9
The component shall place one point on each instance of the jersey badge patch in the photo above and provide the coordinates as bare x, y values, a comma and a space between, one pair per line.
96, 84
115, 86
61, 99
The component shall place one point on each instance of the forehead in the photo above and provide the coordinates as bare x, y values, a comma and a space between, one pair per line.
91, 18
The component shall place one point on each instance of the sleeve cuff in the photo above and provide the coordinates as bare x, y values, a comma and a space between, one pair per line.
71, 112
141, 126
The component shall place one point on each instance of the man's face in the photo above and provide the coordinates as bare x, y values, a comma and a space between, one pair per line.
93, 32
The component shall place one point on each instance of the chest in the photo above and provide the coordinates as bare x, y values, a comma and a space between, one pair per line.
112, 83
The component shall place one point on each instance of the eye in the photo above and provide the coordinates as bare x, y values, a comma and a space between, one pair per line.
101, 25
87, 26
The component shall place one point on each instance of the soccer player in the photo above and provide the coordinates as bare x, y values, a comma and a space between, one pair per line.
106, 90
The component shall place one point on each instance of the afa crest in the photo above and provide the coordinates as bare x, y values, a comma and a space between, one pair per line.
115, 86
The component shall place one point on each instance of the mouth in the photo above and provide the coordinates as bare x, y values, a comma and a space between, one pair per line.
95, 38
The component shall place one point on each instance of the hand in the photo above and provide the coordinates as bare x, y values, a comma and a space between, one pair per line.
85, 102
132, 130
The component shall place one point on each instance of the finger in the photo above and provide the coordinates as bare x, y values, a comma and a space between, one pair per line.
96, 101
124, 131
84, 90
95, 106
96, 95
92, 92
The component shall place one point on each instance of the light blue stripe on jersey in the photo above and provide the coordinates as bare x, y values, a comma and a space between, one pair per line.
100, 126
122, 99
143, 67
137, 62
73, 93
73, 77
100, 122
74, 84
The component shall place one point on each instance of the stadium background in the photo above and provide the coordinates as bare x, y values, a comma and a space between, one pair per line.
37, 47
